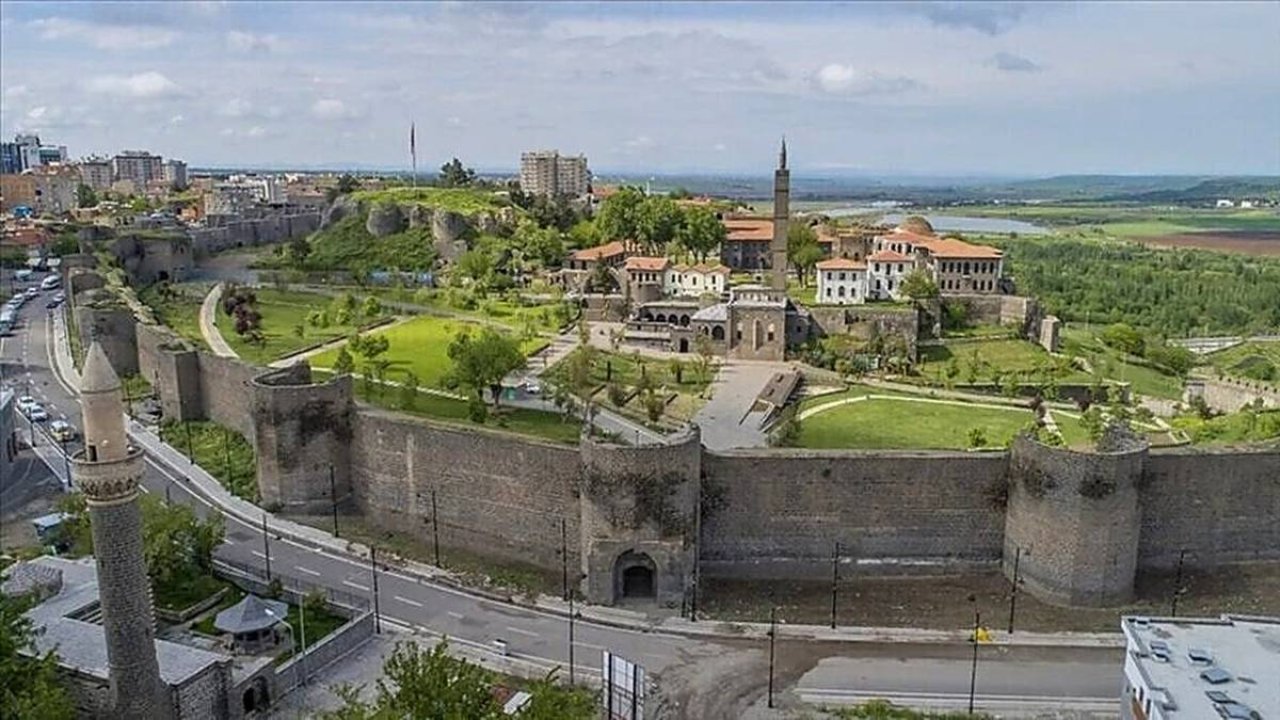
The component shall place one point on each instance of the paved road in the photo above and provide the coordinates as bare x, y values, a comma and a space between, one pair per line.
727, 420
209, 323
696, 677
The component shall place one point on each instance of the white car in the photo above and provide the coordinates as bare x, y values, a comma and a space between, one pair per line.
533, 387
26, 403
32, 292
62, 431
37, 414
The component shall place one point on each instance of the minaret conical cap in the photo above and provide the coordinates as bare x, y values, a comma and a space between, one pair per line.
98, 375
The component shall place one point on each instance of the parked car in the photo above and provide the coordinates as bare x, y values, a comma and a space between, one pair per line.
62, 431
533, 387
60, 297
51, 304
36, 413
32, 292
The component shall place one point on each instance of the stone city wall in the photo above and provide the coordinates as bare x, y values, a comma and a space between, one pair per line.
302, 432
173, 369
1074, 520
226, 392
1228, 395
1016, 310
249, 233
99, 316
779, 513
204, 696
1220, 506
865, 321
495, 493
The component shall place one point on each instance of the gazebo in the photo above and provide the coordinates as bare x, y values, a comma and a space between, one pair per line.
252, 623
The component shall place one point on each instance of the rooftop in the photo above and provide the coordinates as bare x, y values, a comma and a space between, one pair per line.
749, 229
888, 256
703, 268
1177, 658
651, 264
609, 249
841, 264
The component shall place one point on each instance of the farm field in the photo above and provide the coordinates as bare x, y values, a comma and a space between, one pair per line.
1249, 243
421, 346
283, 313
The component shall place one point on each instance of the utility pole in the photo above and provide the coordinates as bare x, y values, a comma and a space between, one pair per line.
191, 448
333, 496
973, 671
572, 612
66, 459
773, 636
266, 546
697, 548
835, 581
564, 559
226, 454
373, 569
1177, 585
435, 528
1013, 594
302, 622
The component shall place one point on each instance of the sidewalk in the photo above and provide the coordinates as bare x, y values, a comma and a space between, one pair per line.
208, 488
209, 324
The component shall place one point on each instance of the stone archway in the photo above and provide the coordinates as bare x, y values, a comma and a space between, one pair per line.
684, 345
634, 577
717, 333
256, 698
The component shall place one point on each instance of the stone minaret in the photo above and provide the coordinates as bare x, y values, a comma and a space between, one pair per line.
781, 209
107, 471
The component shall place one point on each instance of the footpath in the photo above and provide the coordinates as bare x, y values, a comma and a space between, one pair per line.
212, 492
209, 324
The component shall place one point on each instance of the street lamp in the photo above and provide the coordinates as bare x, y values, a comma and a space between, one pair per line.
302, 622
773, 636
973, 670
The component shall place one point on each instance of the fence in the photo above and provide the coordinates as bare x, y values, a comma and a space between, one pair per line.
296, 589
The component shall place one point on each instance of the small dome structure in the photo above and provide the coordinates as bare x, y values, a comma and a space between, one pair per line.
916, 224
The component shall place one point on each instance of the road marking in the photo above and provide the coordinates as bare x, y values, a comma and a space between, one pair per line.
407, 601
455, 615
308, 571
520, 631
357, 586
258, 554
593, 646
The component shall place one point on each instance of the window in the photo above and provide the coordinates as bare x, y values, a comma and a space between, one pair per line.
839, 291
877, 267
842, 276
828, 291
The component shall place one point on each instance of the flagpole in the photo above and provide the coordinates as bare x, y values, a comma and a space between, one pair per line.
413, 153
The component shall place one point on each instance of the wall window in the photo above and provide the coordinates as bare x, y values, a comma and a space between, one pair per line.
839, 291
828, 291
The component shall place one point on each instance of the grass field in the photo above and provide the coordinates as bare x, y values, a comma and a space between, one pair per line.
534, 423
887, 424
179, 309
283, 312
986, 360
1240, 427
1081, 341
541, 317
421, 346
1249, 360
460, 200
625, 370
222, 452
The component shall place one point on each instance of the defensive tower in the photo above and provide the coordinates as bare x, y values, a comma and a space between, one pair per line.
107, 471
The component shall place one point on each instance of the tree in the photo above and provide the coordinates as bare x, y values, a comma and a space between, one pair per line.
344, 364
372, 306
347, 184
474, 265
654, 405
409, 391
31, 688
482, 361
86, 196
369, 347
618, 217
299, 249
453, 174
803, 251
917, 285
706, 352
1123, 337
701, 233
977, 437
658, 220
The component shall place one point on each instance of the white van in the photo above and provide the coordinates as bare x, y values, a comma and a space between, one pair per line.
50, 282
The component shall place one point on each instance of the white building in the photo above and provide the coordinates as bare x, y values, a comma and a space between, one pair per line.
842, 281
1224, 203
699, 279
1193, 668
547, 172
885, 272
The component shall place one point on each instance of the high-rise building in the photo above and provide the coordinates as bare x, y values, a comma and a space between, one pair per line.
547, 172
10, 159
137, 166
96, 172
175, 173
25, 153
108, 471
781, 211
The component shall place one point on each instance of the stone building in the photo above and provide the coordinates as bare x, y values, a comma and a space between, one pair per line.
958, 267
747, 243
547, 172
137, 166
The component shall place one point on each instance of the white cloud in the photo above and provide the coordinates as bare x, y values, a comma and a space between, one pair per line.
36, 113
837, 78
247, 42
177, 120
719, 147
16, 91
105, 36
235, 107
144, 85
332, 109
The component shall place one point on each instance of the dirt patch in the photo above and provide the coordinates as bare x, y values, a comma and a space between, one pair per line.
1249, 243
943, 602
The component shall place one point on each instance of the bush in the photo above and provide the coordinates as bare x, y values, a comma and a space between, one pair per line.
616, 394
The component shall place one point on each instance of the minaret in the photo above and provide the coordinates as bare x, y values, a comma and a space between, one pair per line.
107, 471
781, 209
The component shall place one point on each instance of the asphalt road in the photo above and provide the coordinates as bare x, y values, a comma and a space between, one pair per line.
700, 678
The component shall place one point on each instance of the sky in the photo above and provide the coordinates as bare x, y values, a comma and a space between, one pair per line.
1002, 89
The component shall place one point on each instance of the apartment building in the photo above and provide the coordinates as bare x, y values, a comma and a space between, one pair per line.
138, 167
547, 172
96, 173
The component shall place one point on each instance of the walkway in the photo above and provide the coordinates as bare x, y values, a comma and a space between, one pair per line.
209, 324
935, 401
729, 419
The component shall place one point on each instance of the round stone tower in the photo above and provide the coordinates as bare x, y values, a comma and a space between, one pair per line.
107, 471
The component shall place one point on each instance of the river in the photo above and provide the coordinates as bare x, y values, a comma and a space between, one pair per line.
950, 223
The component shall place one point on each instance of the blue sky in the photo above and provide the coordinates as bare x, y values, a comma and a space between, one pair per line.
882, 88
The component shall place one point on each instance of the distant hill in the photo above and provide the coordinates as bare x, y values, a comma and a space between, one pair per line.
1208, 191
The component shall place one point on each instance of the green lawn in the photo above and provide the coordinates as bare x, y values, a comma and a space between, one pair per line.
908, 424
1080, 341
283, 311
1239, 427
320, 623
540, 316
182, 595
986, 360
625, 370
178, 308
534, 423
465, 201
1250, 360
221, 451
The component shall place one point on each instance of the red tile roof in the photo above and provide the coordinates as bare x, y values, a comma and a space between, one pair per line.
749, 229
716, 269
888, 256
952, 248
841, 264
650, 264
608, 250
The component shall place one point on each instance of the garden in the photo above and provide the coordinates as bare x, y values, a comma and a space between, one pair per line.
265, 324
